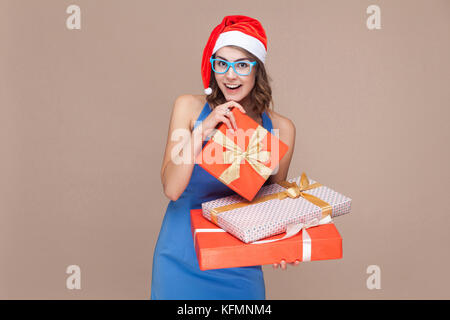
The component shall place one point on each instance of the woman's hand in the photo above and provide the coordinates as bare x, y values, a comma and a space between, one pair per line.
220, 114
283, 264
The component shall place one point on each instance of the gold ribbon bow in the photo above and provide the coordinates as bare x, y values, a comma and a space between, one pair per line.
292, 191
234, 155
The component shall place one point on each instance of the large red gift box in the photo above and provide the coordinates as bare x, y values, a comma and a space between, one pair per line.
242, 160
217, 249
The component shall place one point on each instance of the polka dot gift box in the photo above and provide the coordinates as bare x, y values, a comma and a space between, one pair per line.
275, 207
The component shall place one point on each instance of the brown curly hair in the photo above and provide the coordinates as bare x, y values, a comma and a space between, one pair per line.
261, 95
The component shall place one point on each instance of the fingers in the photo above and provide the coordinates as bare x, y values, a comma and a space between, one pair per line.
224, 114
284, 265
233, 121
237, 105
227, 122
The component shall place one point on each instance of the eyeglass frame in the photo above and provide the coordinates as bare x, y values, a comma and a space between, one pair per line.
252, 63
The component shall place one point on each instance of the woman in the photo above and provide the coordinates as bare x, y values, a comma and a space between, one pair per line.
234, 76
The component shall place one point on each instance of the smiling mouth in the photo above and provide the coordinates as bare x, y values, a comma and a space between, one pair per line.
233, 87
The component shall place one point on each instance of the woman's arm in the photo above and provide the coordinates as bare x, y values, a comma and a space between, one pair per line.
176, 173
287, 135
175, 176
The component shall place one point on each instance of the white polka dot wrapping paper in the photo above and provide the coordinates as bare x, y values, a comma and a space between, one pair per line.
264, 219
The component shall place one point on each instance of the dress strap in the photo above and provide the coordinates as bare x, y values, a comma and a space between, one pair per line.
205, 112
266, 121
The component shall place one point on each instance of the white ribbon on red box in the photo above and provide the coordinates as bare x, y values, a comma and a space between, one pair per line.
291, 230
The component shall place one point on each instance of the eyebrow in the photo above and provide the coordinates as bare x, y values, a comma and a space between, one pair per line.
232, 61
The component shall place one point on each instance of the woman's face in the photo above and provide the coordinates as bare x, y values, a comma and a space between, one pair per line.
246, 83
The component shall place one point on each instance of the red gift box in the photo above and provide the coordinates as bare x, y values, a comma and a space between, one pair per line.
242, 160
218, 249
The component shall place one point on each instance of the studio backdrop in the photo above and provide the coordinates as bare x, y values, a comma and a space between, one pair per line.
86, 94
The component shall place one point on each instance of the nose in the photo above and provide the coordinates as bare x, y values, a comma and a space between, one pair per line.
230, 74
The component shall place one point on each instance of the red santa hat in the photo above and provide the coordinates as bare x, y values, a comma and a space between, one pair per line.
241, 31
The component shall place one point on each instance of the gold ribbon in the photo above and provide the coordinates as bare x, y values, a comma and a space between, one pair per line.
292, 191
234, 155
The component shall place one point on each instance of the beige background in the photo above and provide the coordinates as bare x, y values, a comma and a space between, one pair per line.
84, 116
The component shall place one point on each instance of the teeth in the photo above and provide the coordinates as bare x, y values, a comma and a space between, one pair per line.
232, 87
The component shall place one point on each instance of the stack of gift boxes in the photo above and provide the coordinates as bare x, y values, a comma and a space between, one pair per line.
289, 220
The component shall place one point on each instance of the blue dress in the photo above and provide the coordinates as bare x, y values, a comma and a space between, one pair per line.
176, 273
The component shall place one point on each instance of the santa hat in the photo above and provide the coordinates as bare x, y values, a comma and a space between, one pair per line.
241, 31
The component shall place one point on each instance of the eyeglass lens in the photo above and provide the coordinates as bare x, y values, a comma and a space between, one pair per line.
242, 67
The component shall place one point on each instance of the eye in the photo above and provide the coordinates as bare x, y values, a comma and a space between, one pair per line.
222, 63
243, 64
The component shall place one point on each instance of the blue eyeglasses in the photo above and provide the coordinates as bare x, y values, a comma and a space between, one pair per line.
242, 68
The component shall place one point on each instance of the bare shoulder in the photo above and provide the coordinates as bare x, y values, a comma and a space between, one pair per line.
189, 107
284, 124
